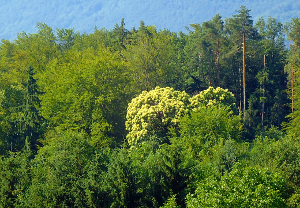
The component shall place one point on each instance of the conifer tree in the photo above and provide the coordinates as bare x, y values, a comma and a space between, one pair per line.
240, 28
292, 68
24, 117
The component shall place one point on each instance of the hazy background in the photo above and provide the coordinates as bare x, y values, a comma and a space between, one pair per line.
83, 15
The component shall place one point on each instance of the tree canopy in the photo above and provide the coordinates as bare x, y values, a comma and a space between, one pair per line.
151, 118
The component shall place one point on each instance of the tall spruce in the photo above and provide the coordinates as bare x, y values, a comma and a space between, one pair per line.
27, 122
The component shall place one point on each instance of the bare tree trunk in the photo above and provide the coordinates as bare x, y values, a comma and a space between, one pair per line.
199, 64
292, 89
210, 71
293, 80
244, 73
241, 91
217, 63
263, 103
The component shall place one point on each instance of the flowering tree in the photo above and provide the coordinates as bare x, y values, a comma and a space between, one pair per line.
213, 96
154, 112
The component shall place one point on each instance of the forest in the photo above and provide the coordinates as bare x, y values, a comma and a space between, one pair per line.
151, 118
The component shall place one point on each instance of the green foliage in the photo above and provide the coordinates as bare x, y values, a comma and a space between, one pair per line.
65, 38
86, 91
150, 58
171, 203
272, 132
71, 91
140, 176
242, 187
207, 142
269, 108
292, 68
2, 122
121, 180
20, 113
281, 156
293, 30
204, 49
210, 124
15, 179
59, 172
241, 22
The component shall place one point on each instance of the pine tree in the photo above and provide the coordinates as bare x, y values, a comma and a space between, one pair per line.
292, 68
240, 28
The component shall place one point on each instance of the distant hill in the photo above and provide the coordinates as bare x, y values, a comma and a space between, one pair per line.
83, 15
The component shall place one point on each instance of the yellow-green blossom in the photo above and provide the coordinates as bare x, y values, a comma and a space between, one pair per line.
154, 112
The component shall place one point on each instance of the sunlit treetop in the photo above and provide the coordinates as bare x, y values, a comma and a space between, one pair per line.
213, 96
153, 113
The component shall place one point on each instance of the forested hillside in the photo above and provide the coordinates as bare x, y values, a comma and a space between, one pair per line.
84, 15
143, 117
